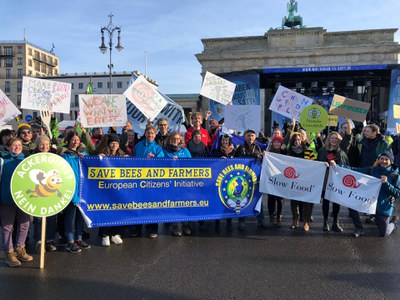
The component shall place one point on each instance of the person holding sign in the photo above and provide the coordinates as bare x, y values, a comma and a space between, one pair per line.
9, 212
298, 148
150, 149
332, 151
389, 192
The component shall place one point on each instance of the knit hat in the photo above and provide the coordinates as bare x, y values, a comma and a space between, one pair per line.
112, 138
277, 138
22, 127
388, 154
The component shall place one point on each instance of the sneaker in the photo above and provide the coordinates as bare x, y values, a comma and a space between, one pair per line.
82, 244
116, 239
358, 232
105, 241
50, 246
336, 227
175, 231
12, 260
153, 235
73, 248
370, 220
325, 227
22, 255
186, 229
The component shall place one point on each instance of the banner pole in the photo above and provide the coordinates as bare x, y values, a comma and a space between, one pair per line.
43, 243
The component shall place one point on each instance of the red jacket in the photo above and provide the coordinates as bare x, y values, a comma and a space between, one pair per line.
205, 138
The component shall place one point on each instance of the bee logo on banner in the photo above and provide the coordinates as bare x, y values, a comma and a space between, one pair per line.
236, 185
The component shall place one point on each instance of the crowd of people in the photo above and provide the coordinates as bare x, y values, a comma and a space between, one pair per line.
367, 152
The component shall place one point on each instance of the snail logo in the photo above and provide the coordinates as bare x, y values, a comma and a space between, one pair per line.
291, 173
236, 187
350, 181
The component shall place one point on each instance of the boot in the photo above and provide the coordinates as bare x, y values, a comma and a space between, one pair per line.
22, 255
12, 260
295, 224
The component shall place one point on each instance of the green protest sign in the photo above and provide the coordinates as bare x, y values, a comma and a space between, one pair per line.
314, 118
43, 184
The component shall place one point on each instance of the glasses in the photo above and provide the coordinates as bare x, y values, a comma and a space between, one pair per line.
26, 132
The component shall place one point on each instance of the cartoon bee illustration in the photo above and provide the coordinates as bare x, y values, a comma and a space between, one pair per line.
46, 183
238, 205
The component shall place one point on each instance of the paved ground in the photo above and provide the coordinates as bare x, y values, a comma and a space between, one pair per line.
257, 264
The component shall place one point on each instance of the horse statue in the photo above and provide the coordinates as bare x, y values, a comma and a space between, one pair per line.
292, 20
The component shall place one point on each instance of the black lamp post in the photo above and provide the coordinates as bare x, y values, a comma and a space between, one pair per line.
110, 28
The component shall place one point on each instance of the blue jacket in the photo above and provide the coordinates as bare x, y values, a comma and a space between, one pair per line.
73, 160
10, 163
181, 153
143, 148
389, 190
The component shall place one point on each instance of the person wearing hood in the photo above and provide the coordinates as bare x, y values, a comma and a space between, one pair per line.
389, 192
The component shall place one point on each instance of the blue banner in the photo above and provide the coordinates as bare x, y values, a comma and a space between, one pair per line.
247, 92
118, 191
394, 98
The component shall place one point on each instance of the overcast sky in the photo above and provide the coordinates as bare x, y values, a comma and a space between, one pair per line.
170, 31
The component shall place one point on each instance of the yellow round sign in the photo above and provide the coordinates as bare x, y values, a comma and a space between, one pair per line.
314, 118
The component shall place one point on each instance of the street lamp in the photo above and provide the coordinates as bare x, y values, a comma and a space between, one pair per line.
110, 28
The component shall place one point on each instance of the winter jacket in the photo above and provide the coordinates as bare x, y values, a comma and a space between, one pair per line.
10, 163
181, 153
72, 158
144, 148
370, 149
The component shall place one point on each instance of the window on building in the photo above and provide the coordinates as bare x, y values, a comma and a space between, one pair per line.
55, 62
119, 84
37, 55
8, 50
43, 57
99, 85
8, 62
19, 73
30, 62
76, 100
72, 86
109, 85
30, 51
7, 87
19, 49
43, 68
37, 66
19, 86
8, 73
19, 61
80, 86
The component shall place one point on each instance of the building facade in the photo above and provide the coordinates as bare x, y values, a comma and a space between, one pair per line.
21, 58
312, 61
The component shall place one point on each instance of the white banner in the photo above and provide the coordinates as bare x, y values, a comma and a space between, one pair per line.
288, 103
292, 178
145, 97
8, 110
217, 88
41, 94
353, 189
242, 117
102, 110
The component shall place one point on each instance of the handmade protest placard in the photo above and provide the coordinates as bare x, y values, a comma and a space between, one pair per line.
8, 110
102, 110
396, 111
242, 117
353, 189
217, 88
289, 103
314, 118
333, 120
41, 94
145, 97
348, 108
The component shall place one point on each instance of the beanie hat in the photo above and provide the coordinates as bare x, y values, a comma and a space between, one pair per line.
388, 154
277, 138
112, 138
23, 126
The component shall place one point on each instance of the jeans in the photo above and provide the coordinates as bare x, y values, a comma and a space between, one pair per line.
51, 228
325, 210
355, 216
8, 214
385, 227
73, 223
307, 210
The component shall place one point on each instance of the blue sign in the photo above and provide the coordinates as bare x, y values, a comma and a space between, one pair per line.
28, 118
325, 69
119, 191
